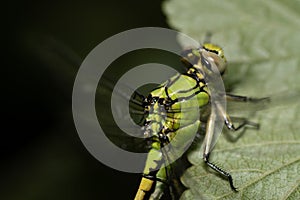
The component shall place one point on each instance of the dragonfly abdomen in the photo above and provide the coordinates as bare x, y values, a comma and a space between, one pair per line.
172, 122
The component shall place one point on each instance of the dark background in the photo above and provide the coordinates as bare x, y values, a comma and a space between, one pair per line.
41, 153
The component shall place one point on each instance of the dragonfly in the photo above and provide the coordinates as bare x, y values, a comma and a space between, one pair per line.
170, 117
167, 117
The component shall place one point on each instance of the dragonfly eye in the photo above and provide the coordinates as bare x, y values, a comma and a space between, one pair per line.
215, 54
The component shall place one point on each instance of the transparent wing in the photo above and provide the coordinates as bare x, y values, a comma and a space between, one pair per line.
58, 57
121, 121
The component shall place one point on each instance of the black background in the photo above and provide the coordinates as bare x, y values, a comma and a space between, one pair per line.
41, 153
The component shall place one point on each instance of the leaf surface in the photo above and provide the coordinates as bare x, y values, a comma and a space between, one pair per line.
261, 41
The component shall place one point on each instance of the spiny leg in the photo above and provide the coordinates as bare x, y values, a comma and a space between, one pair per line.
228, 122
208, 146
220, 171
244, 123
216, 112
219, 111
238, 98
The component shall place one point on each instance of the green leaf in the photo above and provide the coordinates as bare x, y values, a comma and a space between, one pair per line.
261, 41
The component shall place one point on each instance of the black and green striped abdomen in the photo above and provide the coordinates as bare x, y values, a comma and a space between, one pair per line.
174, 114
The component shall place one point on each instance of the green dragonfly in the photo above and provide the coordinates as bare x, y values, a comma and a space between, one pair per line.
164, 102
171, 119
168, 118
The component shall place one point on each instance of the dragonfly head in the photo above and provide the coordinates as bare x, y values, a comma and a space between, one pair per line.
214, 54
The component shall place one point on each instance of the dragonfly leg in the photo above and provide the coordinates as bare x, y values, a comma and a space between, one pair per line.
228, 122
232, 97
243, 123
208, 146
220, 171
